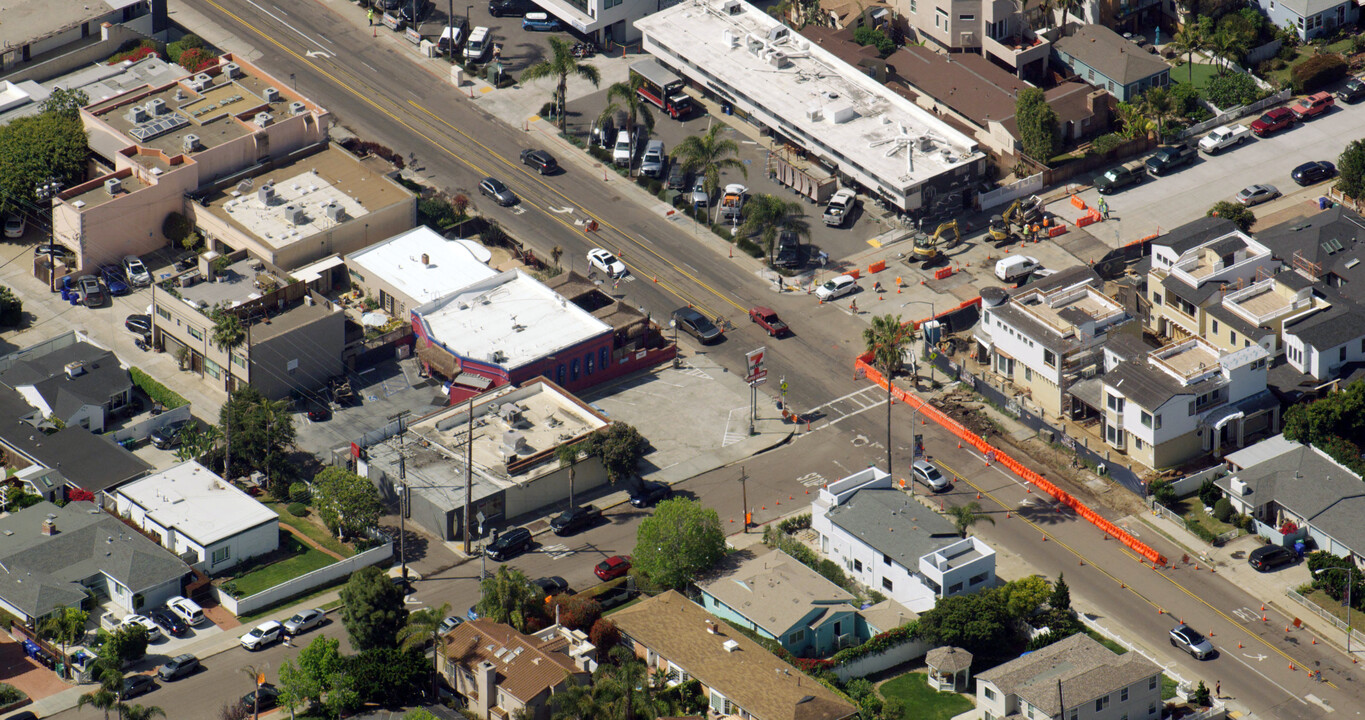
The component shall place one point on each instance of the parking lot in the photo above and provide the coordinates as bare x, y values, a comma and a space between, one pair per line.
520, 48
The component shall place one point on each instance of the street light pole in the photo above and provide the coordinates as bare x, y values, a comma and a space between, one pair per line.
1350, 580
744, 498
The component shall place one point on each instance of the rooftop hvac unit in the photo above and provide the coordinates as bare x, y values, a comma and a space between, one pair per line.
113, 186
190, 143
815, 113
335, 212
925, 143
232, 70
200, 82
732, 7
271, 94
297, 108
75, 369
157, 107
843, 113
510, 413
137, 114
730, 38
266, 194
294, 214
262, 119
514, 443
778, 59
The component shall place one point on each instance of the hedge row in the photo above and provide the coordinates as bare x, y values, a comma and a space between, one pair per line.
155, 390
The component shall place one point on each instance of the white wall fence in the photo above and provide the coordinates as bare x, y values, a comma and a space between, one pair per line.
303, 583
1357, 640
141, 430
1233, 113
868, 664
1190, 484
1261, 54
1013, 191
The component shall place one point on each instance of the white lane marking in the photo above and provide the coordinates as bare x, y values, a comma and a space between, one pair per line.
1267, 679
301, 33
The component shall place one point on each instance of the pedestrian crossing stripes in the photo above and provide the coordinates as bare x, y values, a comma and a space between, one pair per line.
694, 372
557, 552
812, 479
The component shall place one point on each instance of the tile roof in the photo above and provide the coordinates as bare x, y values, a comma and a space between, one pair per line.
752, 678
1085, 669
886, 520
775, 591
1108, 52
1308, 483
526, 665
38, 572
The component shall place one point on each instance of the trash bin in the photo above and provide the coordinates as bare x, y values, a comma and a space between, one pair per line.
1324, 203
727, 108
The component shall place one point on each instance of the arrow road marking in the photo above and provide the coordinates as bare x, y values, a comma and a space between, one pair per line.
562, 210
1257, 657
318, 54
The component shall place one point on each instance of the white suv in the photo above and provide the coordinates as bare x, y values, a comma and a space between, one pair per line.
262, 635
187, 610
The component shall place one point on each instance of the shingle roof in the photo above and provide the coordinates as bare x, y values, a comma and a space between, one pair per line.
1108, 52
526, 665
1085, 669
1194, 295
749, 676
774, 591
1195, 233
102, 377
886, 520
93, 462
38, 572
1330, 328
1308, 483
948, 659
1147, 388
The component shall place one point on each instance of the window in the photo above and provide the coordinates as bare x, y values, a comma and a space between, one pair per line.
1101, 703
1137, 442
1156, 298
602, 358
574, 369
163, 312
1049, 358
1232, 336
1158, 422
1123, 697
1146, 419
989, 693
955, 589
1151, 708
886, 583
239, 361
966, 18
588, 361
1342, 354
1116, 403
914, 6
977, 579
221, 554
1151, 682
797, 637
1028, 710
1028, 373
1075, 714
858, 565
886, 559
195, 333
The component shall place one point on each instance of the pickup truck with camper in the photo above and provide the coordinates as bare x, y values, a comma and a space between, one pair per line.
839, 207
1169, 158
1117, 178
1224, 137
732, 202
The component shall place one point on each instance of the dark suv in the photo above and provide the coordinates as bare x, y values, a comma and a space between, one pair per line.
540, 161
517, 8
167, 436
575, 519
788, 251
1271, 557
510, 543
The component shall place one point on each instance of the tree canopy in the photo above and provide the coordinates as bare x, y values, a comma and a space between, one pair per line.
347, 503
1351, 166
261, 430
39, 148
1334, 423
1037, 122
679, 542
1239, 214
372, 610
619, 446
509, 598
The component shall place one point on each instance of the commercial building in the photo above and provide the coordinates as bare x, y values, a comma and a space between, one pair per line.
416, 267
44, 39
1077, 676
206, 521
806, 96
896, 546
499, 671
1101, 56
21, 98
516, 432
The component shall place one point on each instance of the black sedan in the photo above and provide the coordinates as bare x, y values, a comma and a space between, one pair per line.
553, 585
647, 493
166, 620
268, 697
575, 519
695, 324
138, 324
1310, 173
1271, 557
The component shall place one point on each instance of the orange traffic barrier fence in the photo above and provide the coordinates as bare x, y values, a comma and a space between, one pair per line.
1079, 203
853, 273
1058, 230
928, 411
876, 267
941, 273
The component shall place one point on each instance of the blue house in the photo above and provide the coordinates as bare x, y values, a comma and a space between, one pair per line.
777, 597
1312, 18
1102, 57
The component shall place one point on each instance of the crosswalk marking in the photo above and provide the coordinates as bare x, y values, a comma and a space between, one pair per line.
740, 429
557, 552
812, 479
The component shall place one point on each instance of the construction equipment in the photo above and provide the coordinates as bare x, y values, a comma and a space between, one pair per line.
1016, 220
926, 247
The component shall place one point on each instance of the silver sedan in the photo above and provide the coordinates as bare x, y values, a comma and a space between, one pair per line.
1257, 194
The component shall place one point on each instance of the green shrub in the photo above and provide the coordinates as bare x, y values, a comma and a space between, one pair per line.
547, 110
155, 390
1105, 143
196, 59
1316, 72
10, 694
299, 493
1209, 494
1231, 90
189, 42
749, 246
7, 620
876, 38
1222, 510
297, 509
1163, 493
794, 524
655, 187
11, 308
1201, 532
176, 227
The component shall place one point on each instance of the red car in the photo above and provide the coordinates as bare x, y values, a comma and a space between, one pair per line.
1272, 122
767, 319
612, 568
1313, 105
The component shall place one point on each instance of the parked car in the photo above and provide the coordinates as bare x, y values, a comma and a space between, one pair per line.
1224, 137
134, 685
169, 622
607, 263
575, 519
840, 207
138, 324
1352, 91
263, 635
516, 8
767, 319
1015, 267
304, 621
836, 287
612, 568
501, 194
928, 475
654, 159
553, 585
700, 198
477, 46
113, 279
319, 412
450, 623
91, 294
14, 225
187, 610
677, 177
623, 152
1117, 178
543, 162
788, 250
450, 39
1256, 194
510, 543
539, 22
1184, 637
153, 632
167, 437
178, 667
1313, 172
1271, 557
1167, 159
1272, 121
415, 11
268, 698
692, 322
646, 493
1313, 106
136, 272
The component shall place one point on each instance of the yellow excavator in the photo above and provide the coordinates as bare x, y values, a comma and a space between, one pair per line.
926, 247
1016, 219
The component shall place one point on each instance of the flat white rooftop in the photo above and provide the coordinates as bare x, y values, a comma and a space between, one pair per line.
423, 265
835, 108
508, 320
300, 207
197, 503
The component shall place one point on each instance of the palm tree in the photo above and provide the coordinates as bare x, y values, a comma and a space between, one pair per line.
140, 712
887, 339
425, 626
1158, 105
65, 625
708, 155
101, 699
228, 334
1190, 40
965, 516
560, 66
1229, 47
575, 702
1044, 10
568, 457
769, 216
632, 103
1067, 6
1134, 124
622, 684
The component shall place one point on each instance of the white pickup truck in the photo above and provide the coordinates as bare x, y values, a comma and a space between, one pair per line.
839, 207
1224, 137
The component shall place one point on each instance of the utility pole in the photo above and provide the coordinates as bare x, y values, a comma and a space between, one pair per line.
468, 475
744, 494
402, 490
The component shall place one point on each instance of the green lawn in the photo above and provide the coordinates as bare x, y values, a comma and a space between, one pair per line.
1203, 72
923, 702
1194, 512
305, 525
1336, 609
1105, 641
1168, 687
301, 559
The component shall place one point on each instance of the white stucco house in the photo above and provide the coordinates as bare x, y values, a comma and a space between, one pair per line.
891, 543
200, 517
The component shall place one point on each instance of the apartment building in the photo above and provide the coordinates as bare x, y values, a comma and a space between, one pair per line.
1046, 336
995, 29
1195, 268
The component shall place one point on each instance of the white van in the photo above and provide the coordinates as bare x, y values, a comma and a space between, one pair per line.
450, 39
477, 45
1015, 267
621, 154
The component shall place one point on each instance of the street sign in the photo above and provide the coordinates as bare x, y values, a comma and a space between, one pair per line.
754, 364
755, 382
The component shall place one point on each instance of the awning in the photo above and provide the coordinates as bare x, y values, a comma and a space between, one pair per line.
1089, 391
471, 380
439, 360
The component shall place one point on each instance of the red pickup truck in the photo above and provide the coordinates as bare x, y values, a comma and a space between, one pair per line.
768, 320
1272, 121
1313, 105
